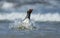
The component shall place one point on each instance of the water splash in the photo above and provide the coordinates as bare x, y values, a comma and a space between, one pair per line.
18, 25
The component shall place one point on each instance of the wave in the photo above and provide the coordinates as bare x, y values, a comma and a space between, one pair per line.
35, 17
8, 4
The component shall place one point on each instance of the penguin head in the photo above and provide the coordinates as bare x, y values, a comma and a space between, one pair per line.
30, 11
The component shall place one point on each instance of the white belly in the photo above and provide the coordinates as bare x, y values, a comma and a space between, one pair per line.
26, 20
26, 23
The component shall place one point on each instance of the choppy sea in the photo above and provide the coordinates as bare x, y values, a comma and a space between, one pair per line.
44, 17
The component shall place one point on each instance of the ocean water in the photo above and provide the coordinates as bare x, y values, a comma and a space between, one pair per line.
45, 16
46, 30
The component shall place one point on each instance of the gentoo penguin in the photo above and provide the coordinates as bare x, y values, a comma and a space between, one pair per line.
27, 18
26, 22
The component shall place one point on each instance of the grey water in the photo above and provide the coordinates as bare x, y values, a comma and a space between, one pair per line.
46, 15
46, 30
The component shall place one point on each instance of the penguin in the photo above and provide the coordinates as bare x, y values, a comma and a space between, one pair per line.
26, 22
27, 18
